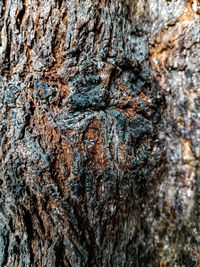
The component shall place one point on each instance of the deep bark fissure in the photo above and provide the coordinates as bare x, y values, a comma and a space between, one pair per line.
5, 254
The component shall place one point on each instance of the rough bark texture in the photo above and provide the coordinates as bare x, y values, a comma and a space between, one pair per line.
99, 137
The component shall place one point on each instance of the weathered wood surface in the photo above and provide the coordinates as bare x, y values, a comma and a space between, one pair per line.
99, 133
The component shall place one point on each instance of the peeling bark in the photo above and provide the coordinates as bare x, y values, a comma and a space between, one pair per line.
99, 137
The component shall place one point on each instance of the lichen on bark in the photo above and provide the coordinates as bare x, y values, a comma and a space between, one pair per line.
99, 138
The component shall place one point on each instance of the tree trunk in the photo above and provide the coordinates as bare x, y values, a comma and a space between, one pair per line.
99, 137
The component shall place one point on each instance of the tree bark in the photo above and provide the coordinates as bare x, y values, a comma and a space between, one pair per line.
99, 133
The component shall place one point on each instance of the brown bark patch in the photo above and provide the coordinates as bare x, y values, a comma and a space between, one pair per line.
96, 152
42, 125
124, 158
168, 38
187, 153
127, 104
